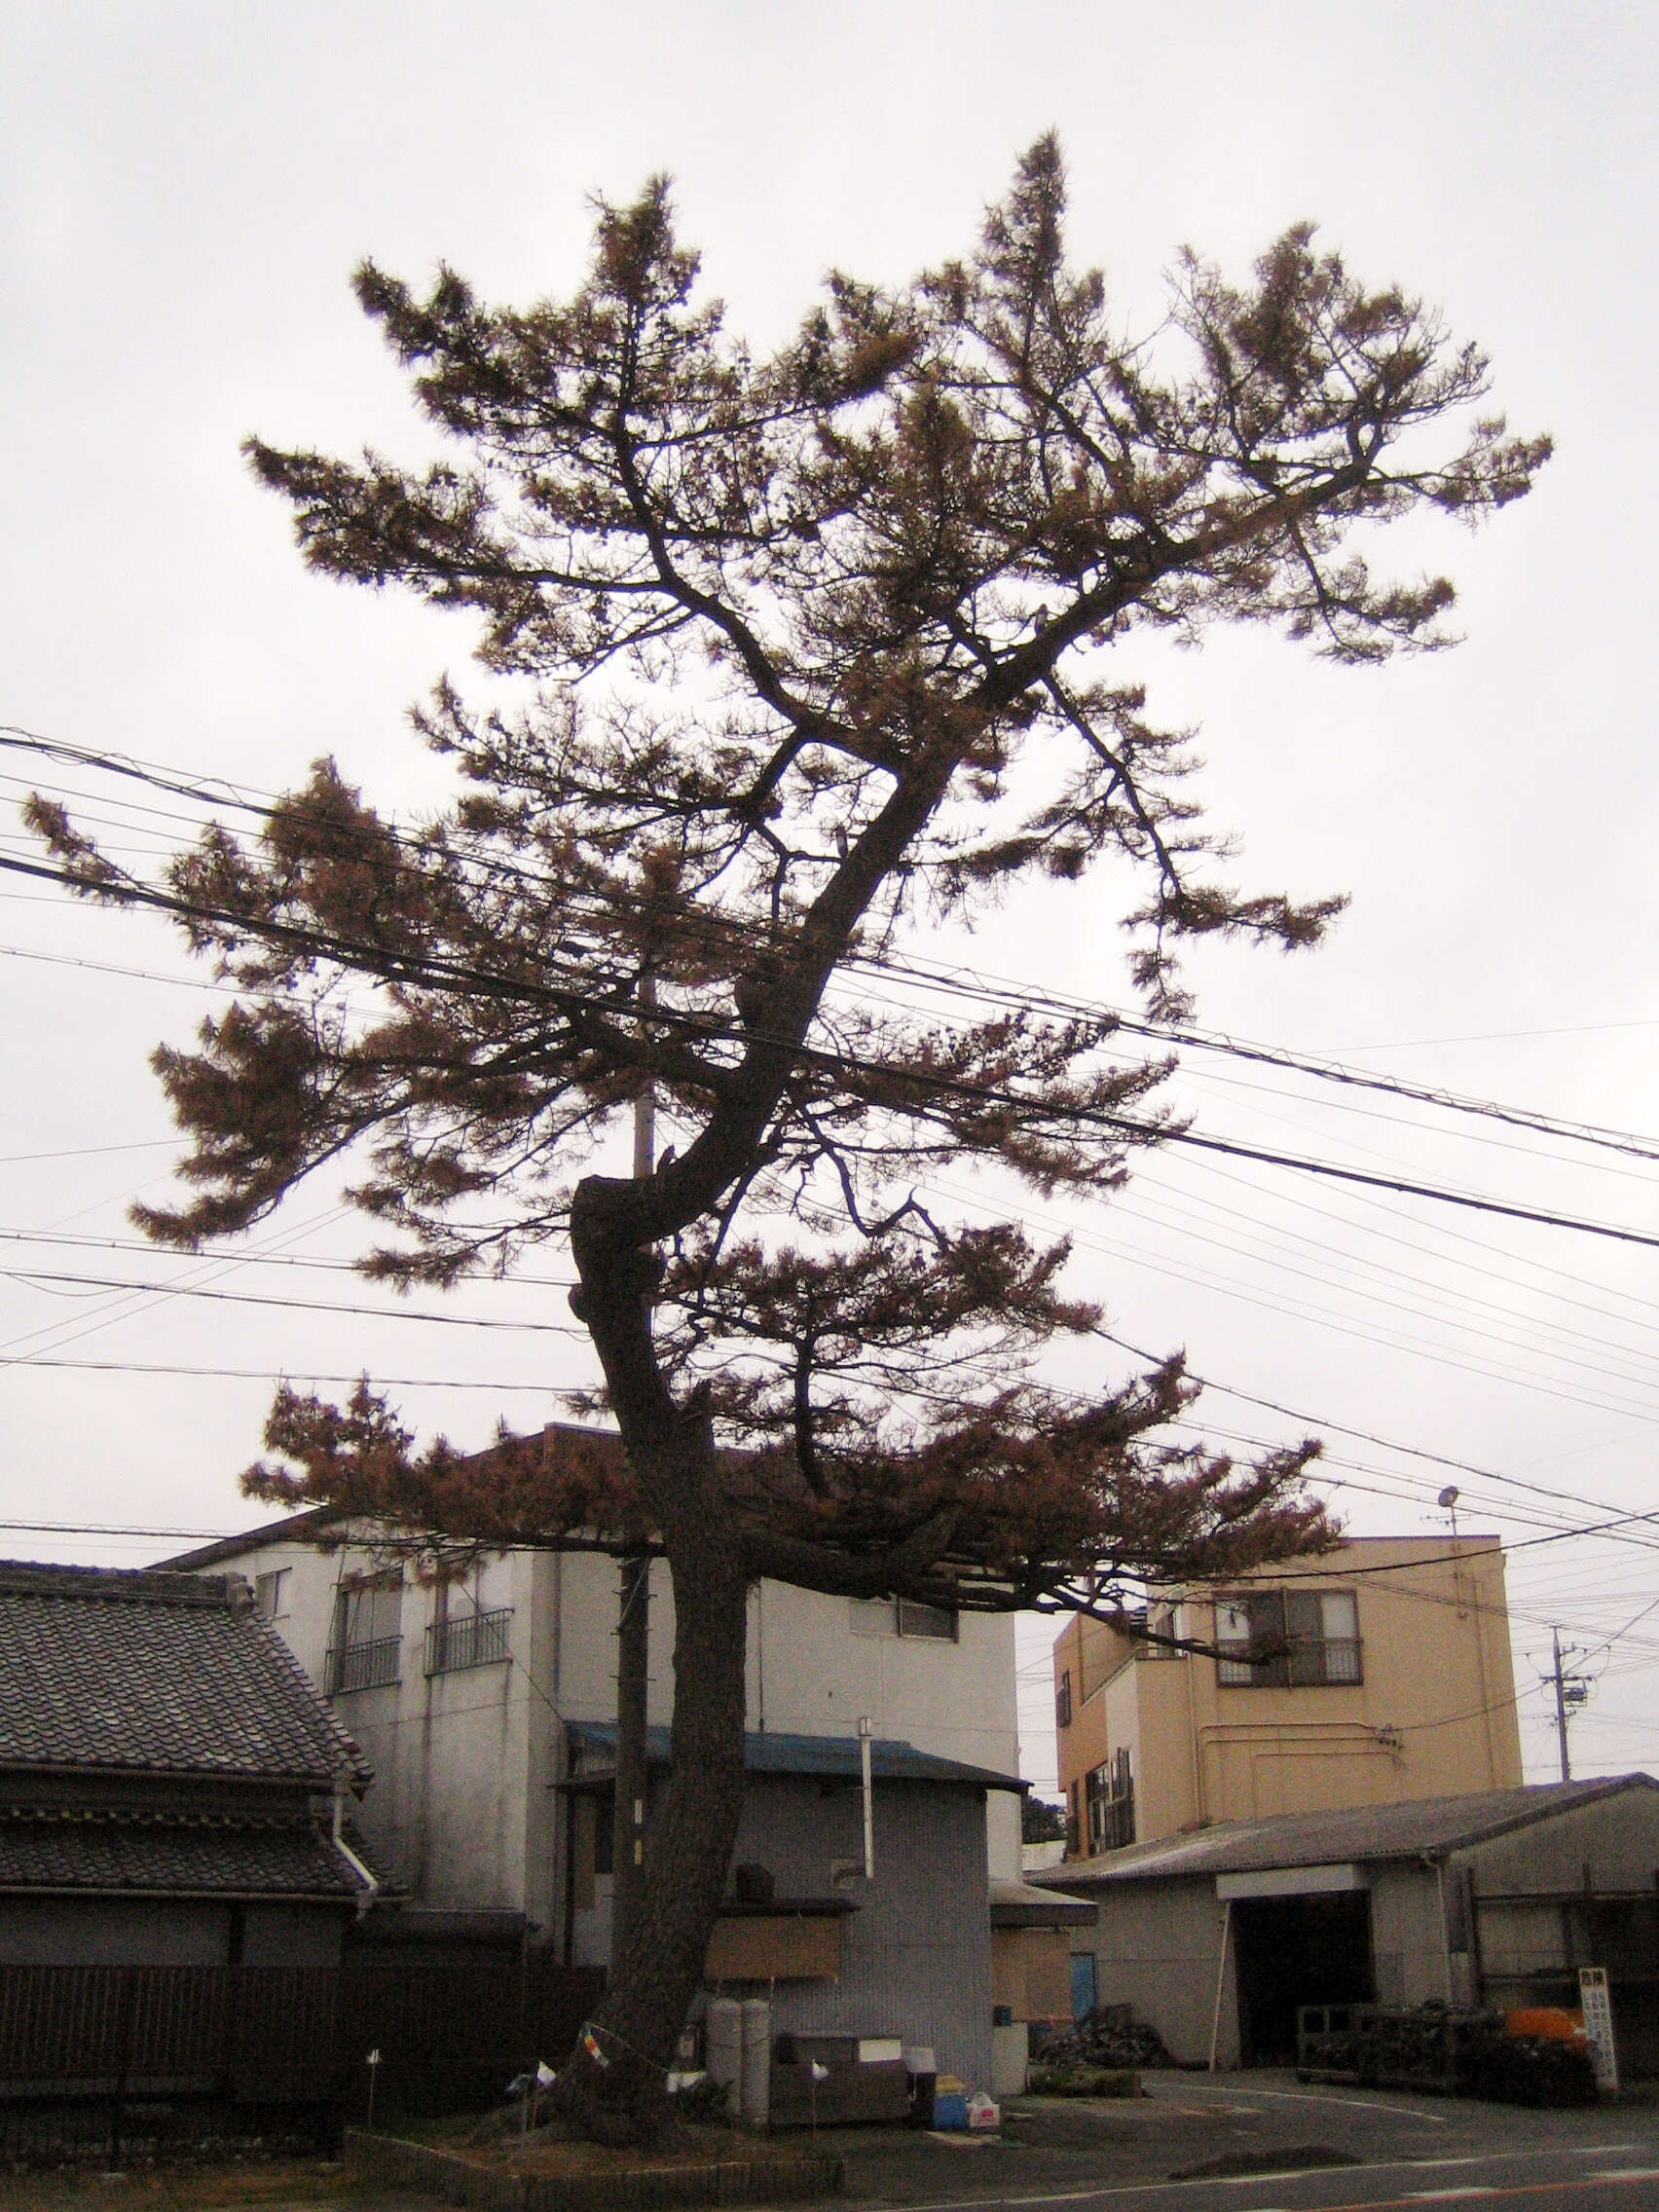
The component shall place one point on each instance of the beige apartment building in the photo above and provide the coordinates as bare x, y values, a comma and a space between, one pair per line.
1375, 1674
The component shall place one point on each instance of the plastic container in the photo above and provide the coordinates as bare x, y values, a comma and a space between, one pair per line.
1549, 2024
756, 2080
725, 2053
951, 2108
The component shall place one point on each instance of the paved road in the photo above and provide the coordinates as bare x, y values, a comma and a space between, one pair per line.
1263, 2143
1613, 2174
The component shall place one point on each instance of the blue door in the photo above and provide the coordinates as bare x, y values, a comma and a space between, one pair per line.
1082, 1983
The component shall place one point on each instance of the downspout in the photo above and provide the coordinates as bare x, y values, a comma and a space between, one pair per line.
371, 1883
1195, 1747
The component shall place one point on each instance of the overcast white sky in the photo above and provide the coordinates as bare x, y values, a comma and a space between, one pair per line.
183, 193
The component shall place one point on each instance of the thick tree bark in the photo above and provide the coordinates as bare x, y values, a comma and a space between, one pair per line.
688, 1846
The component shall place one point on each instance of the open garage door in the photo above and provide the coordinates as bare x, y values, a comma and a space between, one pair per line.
1298, 1950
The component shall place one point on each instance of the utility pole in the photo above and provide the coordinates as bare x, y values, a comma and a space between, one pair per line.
633, 1650
1570, 1690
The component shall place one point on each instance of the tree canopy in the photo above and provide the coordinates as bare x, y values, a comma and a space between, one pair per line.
791, 657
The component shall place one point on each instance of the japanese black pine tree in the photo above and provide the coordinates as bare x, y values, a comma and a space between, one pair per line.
790, 657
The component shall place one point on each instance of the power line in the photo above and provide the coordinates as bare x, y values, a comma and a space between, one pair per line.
112, 968
1368, 1436
86, 1241
290, 1305
272, 1374
86, 1151
961, 982
394, 969
1010, 992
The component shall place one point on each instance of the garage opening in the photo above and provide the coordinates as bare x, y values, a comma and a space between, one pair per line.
1298, 1950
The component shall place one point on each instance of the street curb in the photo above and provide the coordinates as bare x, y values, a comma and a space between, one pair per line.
454, 2179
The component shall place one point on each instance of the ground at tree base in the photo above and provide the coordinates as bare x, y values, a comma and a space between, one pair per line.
1182, 2122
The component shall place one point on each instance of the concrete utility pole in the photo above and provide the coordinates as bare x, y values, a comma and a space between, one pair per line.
633, 1650
1570, 1690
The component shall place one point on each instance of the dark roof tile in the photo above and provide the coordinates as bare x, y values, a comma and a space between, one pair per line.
42, 1849
106, 1670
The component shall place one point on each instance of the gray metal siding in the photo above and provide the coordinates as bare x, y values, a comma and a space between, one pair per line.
916, 1955
1157, 1948
1616, 1838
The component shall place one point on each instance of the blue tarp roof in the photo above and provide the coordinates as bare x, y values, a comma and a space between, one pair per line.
768, 1753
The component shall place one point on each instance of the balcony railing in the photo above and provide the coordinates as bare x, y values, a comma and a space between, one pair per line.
364, 1665
1304, 1663
471, 1640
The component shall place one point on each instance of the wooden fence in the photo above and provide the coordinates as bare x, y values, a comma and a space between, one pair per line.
100, 2054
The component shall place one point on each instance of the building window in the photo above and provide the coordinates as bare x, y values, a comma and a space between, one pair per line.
1162, 1621
917, 1619
1288, 1638
464, 1633
367, 1649
1110, 1796
1062, 1700
902, 1616
1074, 1834
271, 1594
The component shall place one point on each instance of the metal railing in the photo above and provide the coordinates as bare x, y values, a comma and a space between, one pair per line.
364, 1665
1335, 1659
1302, 1663
470, 1639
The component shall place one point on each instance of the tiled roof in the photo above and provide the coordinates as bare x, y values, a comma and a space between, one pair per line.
765, 1752
46, 1848
105, 1669
1354, 1834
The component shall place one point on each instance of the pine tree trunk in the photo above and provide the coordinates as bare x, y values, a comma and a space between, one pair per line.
688, 1846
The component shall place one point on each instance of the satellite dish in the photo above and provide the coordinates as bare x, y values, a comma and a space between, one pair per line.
1448, 1497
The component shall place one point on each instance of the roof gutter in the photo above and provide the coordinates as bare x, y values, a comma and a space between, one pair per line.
371, 1883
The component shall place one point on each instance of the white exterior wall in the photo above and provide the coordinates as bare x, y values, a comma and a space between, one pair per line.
817, 1662
463, 1812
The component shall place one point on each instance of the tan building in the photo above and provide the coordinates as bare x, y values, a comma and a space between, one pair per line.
1375, 1674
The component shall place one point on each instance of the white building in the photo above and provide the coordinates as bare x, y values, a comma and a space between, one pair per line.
469, 1702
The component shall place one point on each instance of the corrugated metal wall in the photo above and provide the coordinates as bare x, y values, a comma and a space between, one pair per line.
916, 1956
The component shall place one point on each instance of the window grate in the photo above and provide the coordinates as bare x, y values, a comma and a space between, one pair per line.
1110, 1796
473, 1639
364, 1665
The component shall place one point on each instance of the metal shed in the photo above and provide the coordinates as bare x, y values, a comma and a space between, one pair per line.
906, 1955
1496, 1898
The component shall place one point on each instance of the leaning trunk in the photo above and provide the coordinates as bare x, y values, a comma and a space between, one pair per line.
620, 2096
